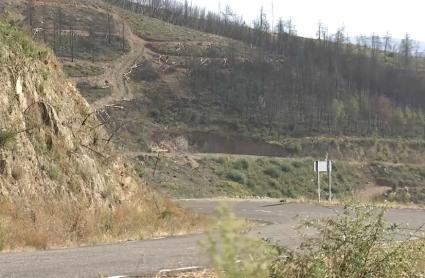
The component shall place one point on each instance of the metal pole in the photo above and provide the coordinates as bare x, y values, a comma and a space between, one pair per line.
330, 183
318, 182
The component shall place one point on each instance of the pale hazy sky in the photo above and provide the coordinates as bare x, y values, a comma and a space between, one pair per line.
358, 16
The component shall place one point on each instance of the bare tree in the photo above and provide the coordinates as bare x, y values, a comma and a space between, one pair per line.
109, 28
30, 11
72, 38
376, 45
387, 45
123, 37
406, 50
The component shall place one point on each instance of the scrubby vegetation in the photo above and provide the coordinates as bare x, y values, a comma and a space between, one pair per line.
6, 137
78, 33
357, 243
59, 184
234, 255
63, 221
79, 70
241, 84
93, 92
292, 85
93, 48
232, 108
14, 39
152, 29
248, 176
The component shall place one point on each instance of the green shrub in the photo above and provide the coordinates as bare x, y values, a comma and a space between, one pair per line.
54, 172
274, 162
251, 184
18, 41
273, 172
359, 243
233, 253
294, 147
93, 92
220, 160
6, 137
213, 52
291, 192
260, 162
78, 70
236, 176
297, 164
285, 168
241, 164
145, 72
400, 195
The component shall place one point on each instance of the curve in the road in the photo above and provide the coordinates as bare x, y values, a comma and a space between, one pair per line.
144, 258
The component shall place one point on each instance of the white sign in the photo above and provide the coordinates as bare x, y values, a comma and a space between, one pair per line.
323, 166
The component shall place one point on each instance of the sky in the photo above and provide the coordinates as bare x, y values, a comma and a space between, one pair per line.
359, 17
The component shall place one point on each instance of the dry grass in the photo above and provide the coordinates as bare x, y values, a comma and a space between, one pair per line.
63, 222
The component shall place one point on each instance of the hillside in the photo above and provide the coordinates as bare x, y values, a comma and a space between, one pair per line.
47, 133
159, 85
278, 85
187, 80
61, 182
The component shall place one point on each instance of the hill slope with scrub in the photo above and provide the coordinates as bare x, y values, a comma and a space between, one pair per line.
165, 76
61, 181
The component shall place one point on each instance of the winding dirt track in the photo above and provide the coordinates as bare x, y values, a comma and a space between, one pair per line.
114, 73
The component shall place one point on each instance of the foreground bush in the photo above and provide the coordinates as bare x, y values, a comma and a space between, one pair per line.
234, 254
358, 243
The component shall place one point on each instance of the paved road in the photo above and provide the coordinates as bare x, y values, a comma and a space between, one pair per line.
143, 258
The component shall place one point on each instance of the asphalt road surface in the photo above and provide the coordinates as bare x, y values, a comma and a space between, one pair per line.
145, 258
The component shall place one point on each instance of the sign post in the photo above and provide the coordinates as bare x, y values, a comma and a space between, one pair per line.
318, 185
321, 167
330, 179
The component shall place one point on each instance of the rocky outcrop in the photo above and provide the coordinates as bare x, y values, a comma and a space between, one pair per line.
50, 140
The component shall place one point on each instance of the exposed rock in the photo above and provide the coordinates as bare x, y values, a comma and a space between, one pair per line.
51, 151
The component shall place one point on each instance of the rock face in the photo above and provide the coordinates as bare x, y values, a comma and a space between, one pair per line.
50, 140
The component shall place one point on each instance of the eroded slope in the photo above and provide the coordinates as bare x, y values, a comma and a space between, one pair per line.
61, 182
